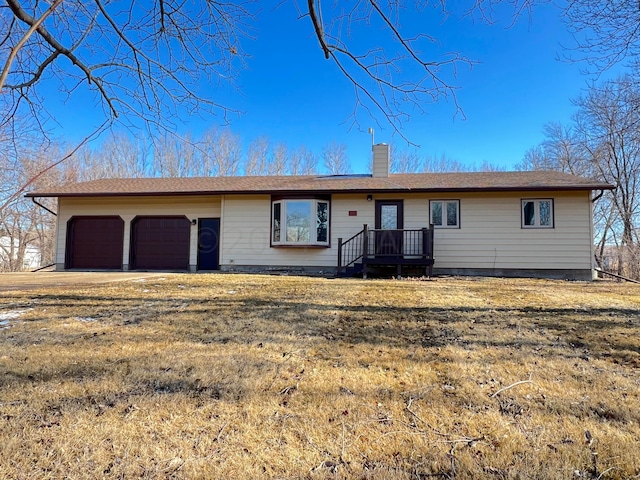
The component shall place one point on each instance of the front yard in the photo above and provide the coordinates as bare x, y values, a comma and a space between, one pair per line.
248, 376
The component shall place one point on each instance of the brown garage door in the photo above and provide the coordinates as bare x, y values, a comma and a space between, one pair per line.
160, 243
95, 242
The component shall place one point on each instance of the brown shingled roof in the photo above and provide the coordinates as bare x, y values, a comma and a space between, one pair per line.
417, 182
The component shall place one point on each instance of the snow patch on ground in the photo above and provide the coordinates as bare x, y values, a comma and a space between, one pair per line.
86, 319
6, 317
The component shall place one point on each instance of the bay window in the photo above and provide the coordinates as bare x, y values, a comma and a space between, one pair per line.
300, 222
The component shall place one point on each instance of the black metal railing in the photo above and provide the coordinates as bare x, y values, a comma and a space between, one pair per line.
376, 244
351, 250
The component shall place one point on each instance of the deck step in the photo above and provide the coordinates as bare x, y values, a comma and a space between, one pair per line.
352, 270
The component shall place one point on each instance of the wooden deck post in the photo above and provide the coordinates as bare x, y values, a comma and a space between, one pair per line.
339, 256
365, 249
425, 243
430, 246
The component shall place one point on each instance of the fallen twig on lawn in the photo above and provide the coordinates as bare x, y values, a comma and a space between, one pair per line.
467, 440
220, 432
287, 356
510, 386
342, 450
605, 472
435, 430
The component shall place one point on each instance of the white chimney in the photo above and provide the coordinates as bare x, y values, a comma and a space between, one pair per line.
381, 160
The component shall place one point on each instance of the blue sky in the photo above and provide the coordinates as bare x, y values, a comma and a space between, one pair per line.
291, 94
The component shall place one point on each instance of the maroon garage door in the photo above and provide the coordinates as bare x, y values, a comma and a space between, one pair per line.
160, 243
95, 242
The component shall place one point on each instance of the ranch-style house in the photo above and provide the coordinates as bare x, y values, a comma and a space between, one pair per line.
482, 223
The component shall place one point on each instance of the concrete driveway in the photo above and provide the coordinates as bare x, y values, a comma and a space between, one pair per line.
37, 280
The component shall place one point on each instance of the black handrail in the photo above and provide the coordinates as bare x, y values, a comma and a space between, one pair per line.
350, 251
370, 244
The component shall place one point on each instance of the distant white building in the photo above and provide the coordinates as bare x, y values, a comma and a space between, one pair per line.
32, 256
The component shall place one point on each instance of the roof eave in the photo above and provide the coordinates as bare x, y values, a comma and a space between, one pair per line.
520, 188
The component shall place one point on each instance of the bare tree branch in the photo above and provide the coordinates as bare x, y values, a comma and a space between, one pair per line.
14, 51
605, 32
146, 62
387, 81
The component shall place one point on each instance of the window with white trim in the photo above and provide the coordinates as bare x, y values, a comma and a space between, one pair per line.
537, 213
444, 213
300, 221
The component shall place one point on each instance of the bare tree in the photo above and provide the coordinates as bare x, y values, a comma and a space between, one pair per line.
144, 64
303, 162
264, 159
443, 163
536, 158
335, 158
27, 231
215, 153
16, 238
176, 157
257, 157
221, 152
605, 32
608, 123
562, 150
405, 161
278, 160
117, 156
603, 142
487, 166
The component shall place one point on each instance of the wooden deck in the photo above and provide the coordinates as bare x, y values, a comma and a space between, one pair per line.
377, 247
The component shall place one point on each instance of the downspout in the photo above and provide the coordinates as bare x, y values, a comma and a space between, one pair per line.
595, 266
592, 252
33, 199
593, 200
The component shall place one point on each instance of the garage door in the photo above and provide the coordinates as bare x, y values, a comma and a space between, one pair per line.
95, 242
160, 243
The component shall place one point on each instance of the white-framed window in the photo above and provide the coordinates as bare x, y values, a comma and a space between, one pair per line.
444, 213
537, 213
300, 221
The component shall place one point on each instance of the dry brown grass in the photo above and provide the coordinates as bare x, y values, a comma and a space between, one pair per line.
238, 376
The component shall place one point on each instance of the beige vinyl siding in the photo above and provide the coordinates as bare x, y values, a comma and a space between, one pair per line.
490, 237
246, 228
192, 207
